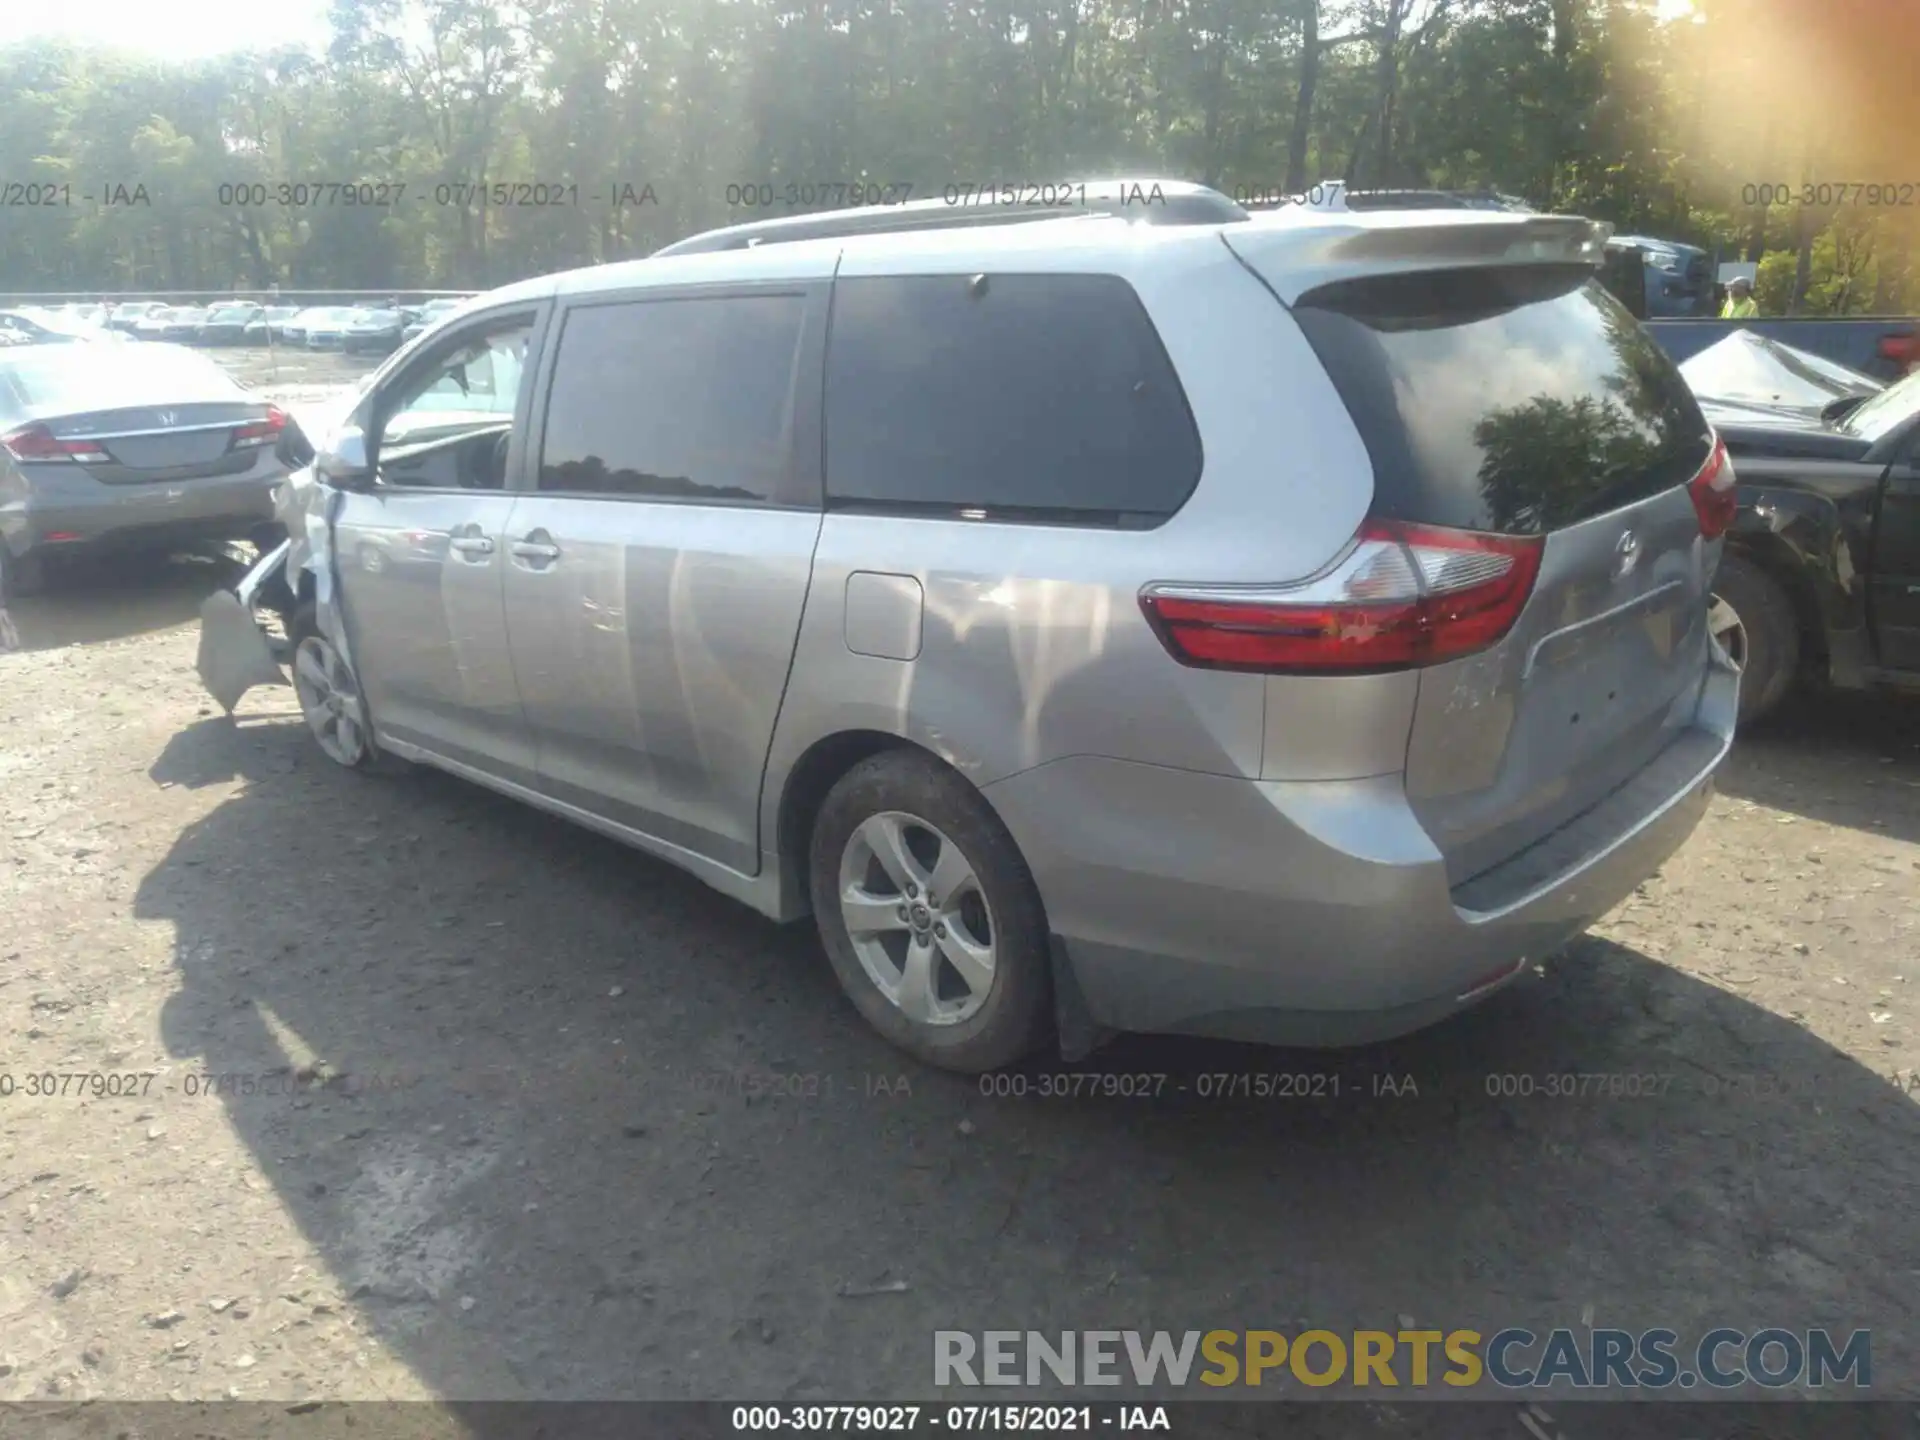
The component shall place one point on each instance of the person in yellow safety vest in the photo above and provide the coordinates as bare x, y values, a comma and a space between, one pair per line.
1740, 303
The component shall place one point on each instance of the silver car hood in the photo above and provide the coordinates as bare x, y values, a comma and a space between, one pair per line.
1749, 372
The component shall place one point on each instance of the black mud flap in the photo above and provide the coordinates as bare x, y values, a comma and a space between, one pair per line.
1080, 1034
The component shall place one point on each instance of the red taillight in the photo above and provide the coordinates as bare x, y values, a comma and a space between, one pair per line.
38, 443
1712, 492
1901, 349
1491, 979
261, 432
1404, 596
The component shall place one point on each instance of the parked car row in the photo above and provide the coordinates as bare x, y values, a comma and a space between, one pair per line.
371, 329
357, 328
33, 325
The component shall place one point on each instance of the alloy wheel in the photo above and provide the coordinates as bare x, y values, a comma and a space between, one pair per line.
918, 918
330, 699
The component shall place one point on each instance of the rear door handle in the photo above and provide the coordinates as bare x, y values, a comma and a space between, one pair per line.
533, 550
471, 544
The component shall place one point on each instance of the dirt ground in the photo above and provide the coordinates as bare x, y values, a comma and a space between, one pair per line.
465, 1140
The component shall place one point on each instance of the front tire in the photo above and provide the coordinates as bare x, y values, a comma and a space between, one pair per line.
330, 697
1753, 618
929, 915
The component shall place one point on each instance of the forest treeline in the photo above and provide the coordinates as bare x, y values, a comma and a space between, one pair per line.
464, 143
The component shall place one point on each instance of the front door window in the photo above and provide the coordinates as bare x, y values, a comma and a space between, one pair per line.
450, 424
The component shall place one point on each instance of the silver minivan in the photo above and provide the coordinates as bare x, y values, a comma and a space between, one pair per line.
1281, 629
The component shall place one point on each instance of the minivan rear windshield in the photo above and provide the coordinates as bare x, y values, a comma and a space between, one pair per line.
1518, 400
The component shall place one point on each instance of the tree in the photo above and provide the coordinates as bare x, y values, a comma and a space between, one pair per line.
707, 107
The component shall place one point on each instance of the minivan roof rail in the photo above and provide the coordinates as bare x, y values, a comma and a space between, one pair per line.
1151, 201
1437, 200
1338, 195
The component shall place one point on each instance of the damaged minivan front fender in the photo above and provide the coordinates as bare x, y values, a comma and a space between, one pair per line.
235, 653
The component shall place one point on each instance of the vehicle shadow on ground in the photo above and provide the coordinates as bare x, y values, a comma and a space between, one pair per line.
223, 748
1842, 757
577, 1127
99, 599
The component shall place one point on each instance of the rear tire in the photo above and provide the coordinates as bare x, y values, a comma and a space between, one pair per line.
21, 575
960, 980
1754, 619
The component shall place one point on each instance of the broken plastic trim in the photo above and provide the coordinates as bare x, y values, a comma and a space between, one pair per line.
235, 655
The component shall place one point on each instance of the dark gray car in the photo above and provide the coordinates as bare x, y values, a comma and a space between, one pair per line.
228, 324
124, 447
377, 331
1821, 580
269, 325
430, 315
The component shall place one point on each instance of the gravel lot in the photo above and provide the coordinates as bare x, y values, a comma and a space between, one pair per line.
485, 1164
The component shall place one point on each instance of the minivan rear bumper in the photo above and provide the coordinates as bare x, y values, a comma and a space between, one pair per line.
1320, 913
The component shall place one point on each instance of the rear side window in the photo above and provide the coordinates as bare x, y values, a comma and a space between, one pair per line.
1520, 400
688, 399
1038, 397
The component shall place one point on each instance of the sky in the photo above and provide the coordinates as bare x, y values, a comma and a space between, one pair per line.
183, 29
178, 29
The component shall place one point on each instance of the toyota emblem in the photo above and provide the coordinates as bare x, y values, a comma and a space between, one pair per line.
1626, 553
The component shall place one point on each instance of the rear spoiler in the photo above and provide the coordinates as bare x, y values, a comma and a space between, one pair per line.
1299, 251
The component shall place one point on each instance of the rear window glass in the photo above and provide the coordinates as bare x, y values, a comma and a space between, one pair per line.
1044, 397
63, 383
1517, 400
